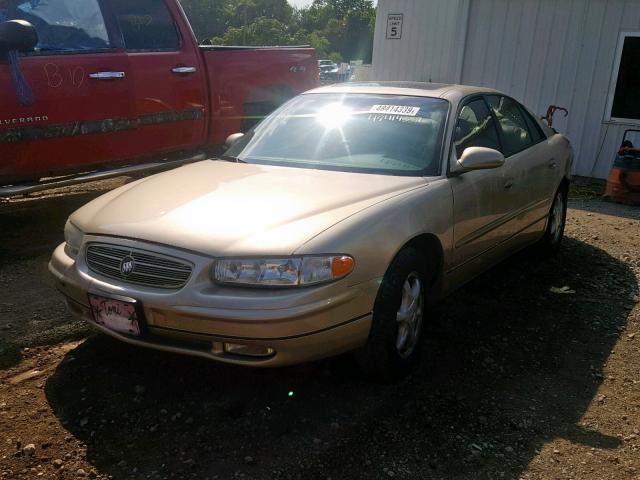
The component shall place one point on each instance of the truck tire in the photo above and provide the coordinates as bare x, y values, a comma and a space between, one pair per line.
394, 342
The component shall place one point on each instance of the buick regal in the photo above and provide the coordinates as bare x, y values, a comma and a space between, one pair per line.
330, 227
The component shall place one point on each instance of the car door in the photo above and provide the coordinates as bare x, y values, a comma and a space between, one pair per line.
482, 198
544, 169
81, 106
524, 163
170, 87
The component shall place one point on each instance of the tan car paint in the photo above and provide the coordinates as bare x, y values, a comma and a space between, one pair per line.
215, 209
221, 208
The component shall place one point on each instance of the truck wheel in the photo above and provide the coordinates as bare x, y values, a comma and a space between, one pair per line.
550, 243
398, 315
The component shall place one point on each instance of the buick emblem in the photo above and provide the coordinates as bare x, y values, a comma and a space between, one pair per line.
127, 265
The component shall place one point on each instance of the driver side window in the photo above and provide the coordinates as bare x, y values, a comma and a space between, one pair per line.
475, 128
63, 26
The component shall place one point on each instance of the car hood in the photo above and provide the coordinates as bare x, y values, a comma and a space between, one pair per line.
222, 208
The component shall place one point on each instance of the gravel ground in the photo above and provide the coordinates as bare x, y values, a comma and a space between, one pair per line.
531, 371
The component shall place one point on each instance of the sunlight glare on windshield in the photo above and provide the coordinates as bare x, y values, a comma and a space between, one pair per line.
334, 115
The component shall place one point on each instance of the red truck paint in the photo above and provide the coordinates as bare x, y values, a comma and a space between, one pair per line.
232, 85
78, 123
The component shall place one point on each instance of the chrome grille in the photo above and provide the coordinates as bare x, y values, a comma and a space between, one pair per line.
150, 269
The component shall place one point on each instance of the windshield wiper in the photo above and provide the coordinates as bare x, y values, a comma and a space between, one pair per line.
229, 158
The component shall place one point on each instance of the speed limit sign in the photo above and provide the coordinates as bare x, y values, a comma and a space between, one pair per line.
394, 25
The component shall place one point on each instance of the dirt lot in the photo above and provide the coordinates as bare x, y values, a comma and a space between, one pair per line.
517, 381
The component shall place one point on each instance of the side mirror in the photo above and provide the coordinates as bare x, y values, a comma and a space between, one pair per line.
480, 158
233, 138
17, 35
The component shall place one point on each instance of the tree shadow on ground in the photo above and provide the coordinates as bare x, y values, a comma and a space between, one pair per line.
508, 367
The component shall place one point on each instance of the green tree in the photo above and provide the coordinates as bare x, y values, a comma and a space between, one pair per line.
263, 31
315, 39
242, 13
337, 29
347, 24
207, 17
358, 36
335, 57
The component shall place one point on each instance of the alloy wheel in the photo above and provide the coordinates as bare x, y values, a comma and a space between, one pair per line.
557, 214
409, 316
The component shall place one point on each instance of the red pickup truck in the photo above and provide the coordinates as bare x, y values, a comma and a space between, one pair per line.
101, 83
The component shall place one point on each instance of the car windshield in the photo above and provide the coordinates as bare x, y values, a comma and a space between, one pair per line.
381, 134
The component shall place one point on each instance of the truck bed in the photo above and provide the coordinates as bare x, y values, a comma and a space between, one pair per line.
245, 83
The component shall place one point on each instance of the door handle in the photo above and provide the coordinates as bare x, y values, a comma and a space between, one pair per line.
183, 70
107, 75
508, 184
552, 163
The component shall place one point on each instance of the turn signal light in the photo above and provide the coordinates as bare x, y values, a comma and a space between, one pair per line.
341, 266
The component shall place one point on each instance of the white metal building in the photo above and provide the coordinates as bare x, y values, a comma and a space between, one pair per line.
580, 54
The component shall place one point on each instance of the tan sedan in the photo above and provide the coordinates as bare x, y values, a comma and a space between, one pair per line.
330, 227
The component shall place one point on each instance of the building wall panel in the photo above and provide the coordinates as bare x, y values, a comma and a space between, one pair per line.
542, 52
430, 47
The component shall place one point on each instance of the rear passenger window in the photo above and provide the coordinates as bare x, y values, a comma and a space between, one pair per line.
515, 133
475, 128
536, 132
62, 25
146, 25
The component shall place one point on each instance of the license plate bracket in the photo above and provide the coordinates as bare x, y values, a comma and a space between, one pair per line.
119, 314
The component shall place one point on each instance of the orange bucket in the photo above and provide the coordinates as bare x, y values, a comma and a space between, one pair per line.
623, 184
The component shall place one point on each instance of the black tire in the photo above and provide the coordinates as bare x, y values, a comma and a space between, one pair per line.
550, 243
382, 359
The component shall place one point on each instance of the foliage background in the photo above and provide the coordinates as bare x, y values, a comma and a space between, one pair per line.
341, 30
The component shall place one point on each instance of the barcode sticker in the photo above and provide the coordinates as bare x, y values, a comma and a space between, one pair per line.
395, 110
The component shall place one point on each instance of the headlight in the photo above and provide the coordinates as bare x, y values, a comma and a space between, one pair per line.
73, 238
282, 272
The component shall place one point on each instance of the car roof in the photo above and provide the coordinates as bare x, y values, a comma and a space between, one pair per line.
416, 89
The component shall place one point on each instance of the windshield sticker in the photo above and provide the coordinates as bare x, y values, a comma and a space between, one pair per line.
395, 110
378, 117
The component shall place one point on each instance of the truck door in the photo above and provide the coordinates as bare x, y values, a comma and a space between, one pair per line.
79, 74
170, 86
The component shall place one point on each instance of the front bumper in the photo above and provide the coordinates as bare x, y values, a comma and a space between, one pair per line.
299, 325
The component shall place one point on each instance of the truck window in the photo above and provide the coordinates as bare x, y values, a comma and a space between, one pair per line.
146, 25
62, 25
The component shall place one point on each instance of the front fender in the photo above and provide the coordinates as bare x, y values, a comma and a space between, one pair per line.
375, 235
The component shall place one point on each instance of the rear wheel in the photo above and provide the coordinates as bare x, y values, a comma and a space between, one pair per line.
395, 337
552, 239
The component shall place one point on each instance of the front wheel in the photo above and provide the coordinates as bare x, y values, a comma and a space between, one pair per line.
552, 239
394, 341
